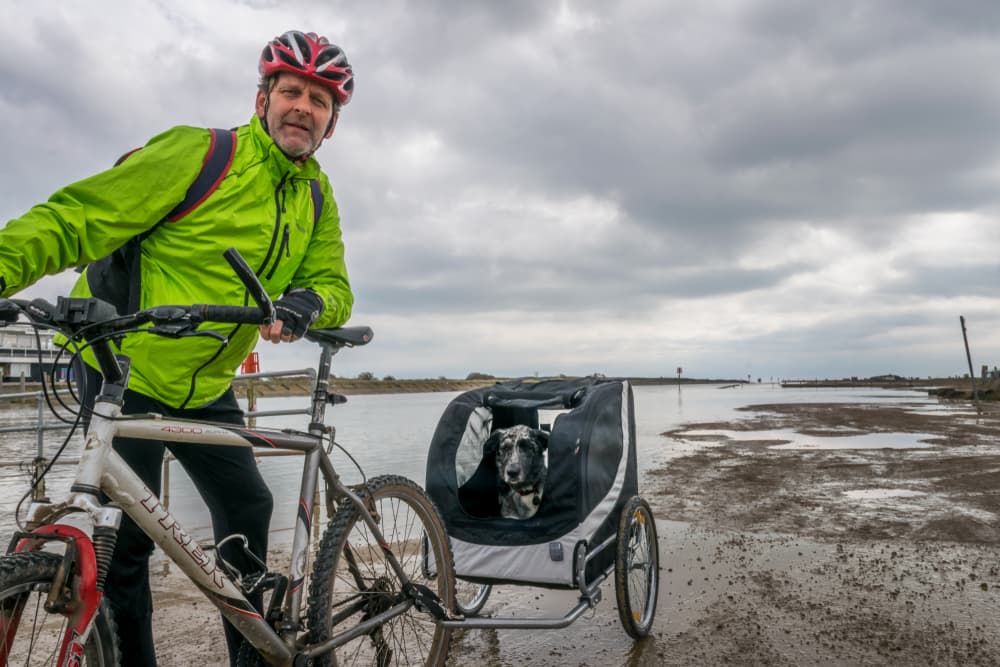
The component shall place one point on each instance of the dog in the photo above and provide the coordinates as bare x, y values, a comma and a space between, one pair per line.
521, 469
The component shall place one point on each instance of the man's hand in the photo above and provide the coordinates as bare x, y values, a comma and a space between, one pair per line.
295, 312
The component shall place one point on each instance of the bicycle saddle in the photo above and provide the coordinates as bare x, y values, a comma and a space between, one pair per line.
342, 336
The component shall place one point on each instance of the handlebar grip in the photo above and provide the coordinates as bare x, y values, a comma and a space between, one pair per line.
9, 311
230, 314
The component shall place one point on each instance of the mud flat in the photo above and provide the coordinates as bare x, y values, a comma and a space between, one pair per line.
838, 556
774, 551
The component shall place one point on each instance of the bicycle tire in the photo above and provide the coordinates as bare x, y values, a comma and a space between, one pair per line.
350, 570
31, 636
470, 598
637, 568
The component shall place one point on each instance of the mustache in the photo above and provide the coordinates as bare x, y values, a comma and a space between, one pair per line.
297, 119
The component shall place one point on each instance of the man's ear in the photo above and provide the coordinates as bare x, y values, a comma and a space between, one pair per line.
333, 124
260, 103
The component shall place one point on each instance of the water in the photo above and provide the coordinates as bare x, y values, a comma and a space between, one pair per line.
390, 433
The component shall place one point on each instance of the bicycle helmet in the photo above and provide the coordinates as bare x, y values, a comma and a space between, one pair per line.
312, 56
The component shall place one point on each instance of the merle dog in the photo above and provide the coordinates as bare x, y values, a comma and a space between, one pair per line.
521, 469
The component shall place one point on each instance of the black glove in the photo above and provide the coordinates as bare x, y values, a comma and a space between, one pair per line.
297, 310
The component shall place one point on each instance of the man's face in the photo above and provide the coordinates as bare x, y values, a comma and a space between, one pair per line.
298, 113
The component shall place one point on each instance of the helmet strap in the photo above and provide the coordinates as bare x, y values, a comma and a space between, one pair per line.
332, 124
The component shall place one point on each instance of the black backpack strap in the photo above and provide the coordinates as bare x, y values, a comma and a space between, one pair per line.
317, 197
116, 278
219, 157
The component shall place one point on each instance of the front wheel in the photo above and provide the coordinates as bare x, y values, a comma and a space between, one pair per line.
637, 568
29, 635
353, 581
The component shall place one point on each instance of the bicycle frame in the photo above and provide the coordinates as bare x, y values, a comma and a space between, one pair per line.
101, 469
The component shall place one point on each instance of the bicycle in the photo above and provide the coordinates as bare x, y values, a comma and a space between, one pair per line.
382, 577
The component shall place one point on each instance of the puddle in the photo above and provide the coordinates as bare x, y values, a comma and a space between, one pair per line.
785, 435
794, 440
866, 441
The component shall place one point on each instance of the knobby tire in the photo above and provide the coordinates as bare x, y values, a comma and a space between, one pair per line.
31, 636
352, 580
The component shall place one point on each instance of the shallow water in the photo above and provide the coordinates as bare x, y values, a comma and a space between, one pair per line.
390, 433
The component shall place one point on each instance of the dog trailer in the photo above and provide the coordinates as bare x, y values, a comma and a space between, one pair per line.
591, 475
590, 521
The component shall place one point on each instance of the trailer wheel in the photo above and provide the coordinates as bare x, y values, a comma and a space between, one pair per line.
637, 568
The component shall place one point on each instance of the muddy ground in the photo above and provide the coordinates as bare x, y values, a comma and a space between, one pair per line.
841, 556
776, 556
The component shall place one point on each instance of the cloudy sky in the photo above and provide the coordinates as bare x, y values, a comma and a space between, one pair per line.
769, 188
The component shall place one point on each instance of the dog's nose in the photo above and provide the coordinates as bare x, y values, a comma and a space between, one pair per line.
513, 472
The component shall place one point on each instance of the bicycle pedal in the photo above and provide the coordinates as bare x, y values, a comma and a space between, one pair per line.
427, 600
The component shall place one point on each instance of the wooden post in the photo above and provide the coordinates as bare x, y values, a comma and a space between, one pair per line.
968, 357
251, 403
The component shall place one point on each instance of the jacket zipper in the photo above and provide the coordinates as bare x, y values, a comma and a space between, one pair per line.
279, 208
283, 250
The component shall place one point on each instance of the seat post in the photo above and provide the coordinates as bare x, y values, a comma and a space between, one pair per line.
320, 390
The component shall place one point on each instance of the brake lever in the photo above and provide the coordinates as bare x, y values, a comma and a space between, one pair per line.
184, 330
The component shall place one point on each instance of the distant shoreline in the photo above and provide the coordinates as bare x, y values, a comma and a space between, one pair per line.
299, 385
352, 386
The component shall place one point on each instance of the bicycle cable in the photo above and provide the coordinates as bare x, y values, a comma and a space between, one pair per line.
364, 478
37, 478
75, 423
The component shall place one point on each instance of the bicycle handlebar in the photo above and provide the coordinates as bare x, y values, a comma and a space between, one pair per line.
95, 320
253, 285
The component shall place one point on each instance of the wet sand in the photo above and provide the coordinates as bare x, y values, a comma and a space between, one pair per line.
773, 556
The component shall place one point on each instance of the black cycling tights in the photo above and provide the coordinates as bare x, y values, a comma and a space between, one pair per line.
229, 482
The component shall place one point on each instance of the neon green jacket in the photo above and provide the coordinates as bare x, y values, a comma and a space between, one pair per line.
263, 208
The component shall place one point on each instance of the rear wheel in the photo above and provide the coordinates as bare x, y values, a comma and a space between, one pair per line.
352, 580
29, 635
470, 598
637, 568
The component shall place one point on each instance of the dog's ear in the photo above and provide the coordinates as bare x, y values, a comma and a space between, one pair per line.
492, 444
543, 438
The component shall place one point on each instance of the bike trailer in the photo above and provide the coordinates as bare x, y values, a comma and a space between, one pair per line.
591, 475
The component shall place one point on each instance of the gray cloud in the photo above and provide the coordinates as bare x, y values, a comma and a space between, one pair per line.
771, 185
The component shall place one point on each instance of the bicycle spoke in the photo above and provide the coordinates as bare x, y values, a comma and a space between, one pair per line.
352, 564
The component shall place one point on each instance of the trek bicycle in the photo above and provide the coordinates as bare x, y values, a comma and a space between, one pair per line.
382, 577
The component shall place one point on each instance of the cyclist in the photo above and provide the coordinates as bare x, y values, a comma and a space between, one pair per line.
267, 206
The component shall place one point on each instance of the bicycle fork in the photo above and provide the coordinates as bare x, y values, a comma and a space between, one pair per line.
77, 589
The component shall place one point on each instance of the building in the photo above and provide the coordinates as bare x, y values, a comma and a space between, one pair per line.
21, 359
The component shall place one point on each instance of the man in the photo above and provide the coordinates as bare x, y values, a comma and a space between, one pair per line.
276, 207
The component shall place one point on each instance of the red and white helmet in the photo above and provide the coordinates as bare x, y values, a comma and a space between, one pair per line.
311, 56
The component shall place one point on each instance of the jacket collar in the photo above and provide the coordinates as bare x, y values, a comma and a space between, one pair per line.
276, 161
